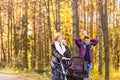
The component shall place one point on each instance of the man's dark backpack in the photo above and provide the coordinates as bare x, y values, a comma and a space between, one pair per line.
77, 69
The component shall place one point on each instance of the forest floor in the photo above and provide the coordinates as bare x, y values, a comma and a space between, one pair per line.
31, 75
4, 76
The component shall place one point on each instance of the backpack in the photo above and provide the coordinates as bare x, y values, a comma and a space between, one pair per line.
77, 69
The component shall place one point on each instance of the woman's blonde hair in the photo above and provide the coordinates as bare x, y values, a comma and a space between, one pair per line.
56, 36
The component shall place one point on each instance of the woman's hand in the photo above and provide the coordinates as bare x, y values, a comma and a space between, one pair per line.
64, 58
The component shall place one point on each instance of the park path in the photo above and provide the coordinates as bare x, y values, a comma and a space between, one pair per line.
11, 77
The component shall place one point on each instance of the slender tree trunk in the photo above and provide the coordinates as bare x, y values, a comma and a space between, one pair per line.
15, 41
11, 41
45, 41
84, 14
39, 37
9, 31
25, 39
54, 16
21, 38
91, 19
49, 24
117, 53
34, 28
58, 17
75, 25
106, 37
1, 28
100, 39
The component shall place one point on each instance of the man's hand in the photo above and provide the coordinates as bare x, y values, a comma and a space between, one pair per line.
91, 65
91, 48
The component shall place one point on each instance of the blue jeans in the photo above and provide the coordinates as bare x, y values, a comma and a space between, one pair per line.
89, 66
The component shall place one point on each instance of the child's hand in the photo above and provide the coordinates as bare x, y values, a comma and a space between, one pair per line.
84, 33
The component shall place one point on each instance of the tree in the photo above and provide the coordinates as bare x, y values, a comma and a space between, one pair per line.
15, 39
49, 23
58, 17
39, 37
100, 38
75, 25
25, 37
2, 41
8, 31
33, 62
104, 20
84, 14
91, 18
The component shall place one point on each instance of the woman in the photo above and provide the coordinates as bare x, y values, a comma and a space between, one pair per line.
58, 51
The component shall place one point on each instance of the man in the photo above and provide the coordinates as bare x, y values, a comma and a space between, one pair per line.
85, 50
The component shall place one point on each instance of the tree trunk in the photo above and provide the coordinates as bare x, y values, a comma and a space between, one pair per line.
8, 31
84, 15
15, 41
1, 28
58, 17
49, 24
91, 19
75, 25
54, 16
39, 37
100, 39
104, 17
25, 39
33, 63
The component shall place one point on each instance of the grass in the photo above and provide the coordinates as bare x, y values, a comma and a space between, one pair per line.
114, 75
46, 75
28, 74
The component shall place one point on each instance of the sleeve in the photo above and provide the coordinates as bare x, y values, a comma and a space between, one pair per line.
78, 42
68, 52
55, 52
94, 41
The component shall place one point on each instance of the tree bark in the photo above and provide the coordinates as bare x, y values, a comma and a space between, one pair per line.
58, 17
8, 31
49, 24
91, 19
25, 39
2, 41
75, 25
100, 38
104, 17
84, 14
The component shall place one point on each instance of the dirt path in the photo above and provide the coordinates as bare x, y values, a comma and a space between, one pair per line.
11, 77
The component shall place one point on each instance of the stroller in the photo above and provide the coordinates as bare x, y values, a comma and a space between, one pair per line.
77, 69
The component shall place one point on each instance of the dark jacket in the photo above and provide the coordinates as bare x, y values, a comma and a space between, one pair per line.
56, 56
82, 50
68, 52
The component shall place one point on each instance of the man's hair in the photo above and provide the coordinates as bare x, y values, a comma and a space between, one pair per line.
86, 37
